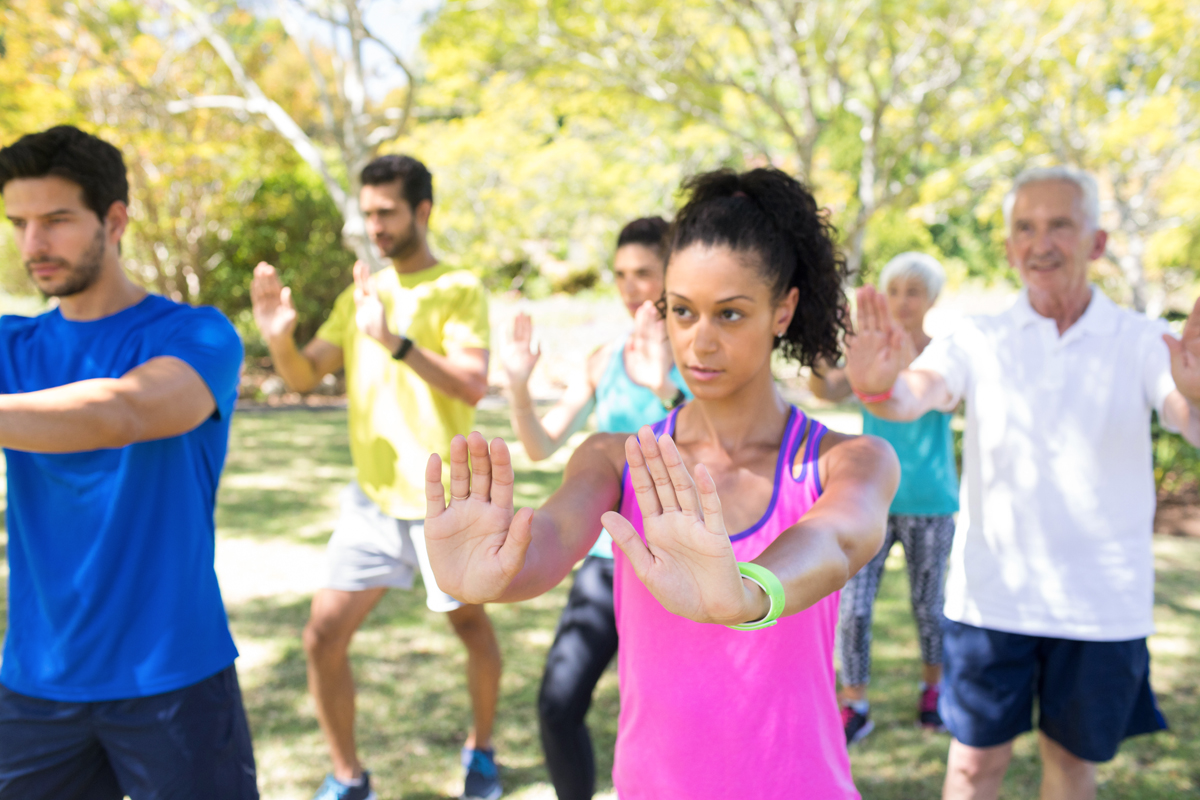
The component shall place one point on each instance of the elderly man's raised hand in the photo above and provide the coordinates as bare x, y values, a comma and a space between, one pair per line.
879, 348
476, 544
1185, 356
271, 303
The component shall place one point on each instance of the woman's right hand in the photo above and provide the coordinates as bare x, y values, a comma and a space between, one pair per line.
518, 356
476, 544
879, 348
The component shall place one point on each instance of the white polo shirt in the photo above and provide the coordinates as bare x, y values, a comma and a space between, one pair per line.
1057, 494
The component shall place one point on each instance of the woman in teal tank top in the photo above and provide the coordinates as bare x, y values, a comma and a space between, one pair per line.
629, 383
920, 518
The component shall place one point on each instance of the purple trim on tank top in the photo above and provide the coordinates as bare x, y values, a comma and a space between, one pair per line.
668, 426
818, 435
779, 459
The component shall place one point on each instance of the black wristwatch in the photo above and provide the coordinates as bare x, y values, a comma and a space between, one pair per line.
402, 349
677, 400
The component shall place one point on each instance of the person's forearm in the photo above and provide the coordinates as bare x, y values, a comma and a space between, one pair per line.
465, 383
77, 417
534, 437
549, 559
828, 383
909, 400
296, 369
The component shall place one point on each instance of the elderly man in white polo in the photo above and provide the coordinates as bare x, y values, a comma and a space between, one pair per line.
1050, 591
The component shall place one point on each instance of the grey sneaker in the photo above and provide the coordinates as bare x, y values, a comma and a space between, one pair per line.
333, 789
483, 776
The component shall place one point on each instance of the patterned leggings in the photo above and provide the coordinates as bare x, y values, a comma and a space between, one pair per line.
926, 542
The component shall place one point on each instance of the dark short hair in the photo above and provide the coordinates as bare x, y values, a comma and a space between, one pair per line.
775, 220
416, 184
649, 232
66, 152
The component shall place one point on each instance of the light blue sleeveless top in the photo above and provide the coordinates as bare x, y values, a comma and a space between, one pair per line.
928, 475
623, 406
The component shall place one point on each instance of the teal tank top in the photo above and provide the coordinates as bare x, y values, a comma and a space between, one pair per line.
928, 475
623, 406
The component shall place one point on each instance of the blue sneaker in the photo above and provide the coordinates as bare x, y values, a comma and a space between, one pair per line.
483, 776
333, 789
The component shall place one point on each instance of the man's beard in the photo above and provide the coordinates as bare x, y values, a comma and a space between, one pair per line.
406, 245
80, 275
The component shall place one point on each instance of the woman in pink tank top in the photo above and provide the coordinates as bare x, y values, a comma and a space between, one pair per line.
737, 510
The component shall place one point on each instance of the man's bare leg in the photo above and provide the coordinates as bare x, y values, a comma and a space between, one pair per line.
975, 773
1065, 776
335, 617
473, 627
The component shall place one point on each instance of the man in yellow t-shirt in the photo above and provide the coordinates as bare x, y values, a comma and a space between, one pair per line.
413, 340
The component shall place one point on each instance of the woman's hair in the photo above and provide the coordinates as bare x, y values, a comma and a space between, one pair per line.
773, 219
927, 269
649, 232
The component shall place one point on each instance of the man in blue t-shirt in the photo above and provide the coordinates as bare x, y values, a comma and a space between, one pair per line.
117, 676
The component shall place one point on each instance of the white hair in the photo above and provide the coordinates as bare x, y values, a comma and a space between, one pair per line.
1081, 179
925, 268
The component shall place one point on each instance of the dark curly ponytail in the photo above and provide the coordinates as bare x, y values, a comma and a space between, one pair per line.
773, 217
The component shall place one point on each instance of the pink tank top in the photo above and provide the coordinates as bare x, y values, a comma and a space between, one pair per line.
709, 713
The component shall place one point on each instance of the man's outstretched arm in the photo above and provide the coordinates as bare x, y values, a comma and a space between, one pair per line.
161, 398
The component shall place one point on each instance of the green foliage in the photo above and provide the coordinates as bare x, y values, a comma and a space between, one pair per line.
1176, 464
289, 222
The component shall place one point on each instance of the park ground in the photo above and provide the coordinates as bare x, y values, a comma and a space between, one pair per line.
277, 503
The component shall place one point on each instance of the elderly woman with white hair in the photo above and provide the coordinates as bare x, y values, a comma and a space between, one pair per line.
920, 517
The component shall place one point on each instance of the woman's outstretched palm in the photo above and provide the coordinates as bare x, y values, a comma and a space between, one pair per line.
879, 349
686, 561
477, 544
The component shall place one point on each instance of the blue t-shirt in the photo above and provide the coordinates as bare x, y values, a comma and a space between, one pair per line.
112, 590
928, 474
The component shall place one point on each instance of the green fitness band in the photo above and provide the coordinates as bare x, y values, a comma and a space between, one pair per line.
774, 589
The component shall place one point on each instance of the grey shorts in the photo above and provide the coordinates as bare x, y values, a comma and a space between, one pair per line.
370, 549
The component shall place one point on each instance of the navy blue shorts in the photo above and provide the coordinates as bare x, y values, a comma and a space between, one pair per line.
189, 744
1091, 695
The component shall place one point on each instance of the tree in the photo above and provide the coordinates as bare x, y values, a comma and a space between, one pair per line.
352, 127
854, 97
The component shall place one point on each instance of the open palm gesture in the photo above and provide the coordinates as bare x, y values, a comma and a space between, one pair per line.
370, 315
519, 355
648, 359
879, 348
686, 561
1185, 356
271, 303
476, 544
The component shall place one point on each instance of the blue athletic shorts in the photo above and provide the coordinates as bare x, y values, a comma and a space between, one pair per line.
189, 744
1091, 695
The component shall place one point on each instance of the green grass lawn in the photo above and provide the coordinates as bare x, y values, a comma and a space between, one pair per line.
278, 500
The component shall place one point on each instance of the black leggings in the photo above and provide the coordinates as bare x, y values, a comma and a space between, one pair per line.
584, 643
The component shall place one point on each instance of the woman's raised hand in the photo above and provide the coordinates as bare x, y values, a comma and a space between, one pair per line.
648, 359
477, 544
518, 356
687, 561
879, 348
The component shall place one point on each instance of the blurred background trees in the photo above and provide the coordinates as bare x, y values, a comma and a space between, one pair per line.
549, 123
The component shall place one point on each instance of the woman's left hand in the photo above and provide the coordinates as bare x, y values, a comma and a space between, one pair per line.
686, 561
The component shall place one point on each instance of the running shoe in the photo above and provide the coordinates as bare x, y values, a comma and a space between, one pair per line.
857, 724
333, 789
927, 710
483, 776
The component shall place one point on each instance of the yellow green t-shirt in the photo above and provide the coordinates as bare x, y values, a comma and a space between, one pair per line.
396, 418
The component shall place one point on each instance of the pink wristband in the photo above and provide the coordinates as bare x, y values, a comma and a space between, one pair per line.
874, 398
